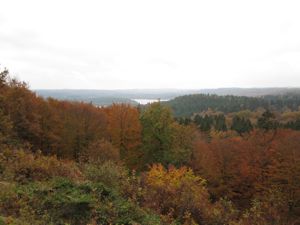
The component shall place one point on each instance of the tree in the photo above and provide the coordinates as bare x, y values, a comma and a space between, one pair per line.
267, 121
124, 129
5, 129
241, 125
100, 151
3, 78
164, 140
220, 123
22, 107
295, 125
157, 123
181, 149
207, 123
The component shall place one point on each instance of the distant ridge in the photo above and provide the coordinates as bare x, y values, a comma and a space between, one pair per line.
82, 94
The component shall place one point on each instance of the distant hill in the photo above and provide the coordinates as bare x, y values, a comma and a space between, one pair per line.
107, 97
99, 98
126, 93
251, 92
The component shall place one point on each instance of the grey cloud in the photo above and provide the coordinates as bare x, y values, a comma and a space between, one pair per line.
25, 47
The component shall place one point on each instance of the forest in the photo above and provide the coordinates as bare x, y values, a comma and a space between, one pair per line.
196, 160
187, 105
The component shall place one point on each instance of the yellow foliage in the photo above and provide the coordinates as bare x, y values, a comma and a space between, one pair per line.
176, 192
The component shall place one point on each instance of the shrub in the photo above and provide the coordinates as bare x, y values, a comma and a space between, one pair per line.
176, 192
2, 221
108, 173
8, 199
271, 209
22, 167
61, 201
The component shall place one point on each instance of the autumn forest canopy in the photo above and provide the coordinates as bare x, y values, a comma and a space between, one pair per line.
201, 159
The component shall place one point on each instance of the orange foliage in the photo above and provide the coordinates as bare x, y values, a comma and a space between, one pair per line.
99, 152
124, 129
242, 168
54, 127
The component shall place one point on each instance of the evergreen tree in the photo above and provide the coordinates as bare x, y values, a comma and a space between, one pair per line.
197, 120
220, 123
295, 125
206, 123
241, 125
267, 121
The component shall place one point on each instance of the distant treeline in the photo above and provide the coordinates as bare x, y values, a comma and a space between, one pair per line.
186, 106
239, 123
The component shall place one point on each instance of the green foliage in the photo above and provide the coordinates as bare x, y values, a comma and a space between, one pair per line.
189, 104
157, 132
206, 123
2, 222
220, 123
61, 201
295, 125
108, 173
120, 211
241, 125
58, 201
267, 121
182, 144
186, 106
164, 140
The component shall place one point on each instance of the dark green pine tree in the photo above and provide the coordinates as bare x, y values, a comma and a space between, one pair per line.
220, 123
267, 121
198, 120
241, 125
294, 125
206, 123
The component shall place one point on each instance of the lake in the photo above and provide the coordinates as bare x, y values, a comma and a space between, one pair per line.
146, 101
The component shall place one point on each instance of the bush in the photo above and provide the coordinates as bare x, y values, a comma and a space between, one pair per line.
2, 222
272, 208
23, 167
176, 192
108, 173
120, 211
61, 201
8, 199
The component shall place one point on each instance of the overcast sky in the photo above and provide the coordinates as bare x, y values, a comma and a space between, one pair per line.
151, 44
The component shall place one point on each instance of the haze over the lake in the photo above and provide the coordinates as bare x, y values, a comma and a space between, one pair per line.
151, 44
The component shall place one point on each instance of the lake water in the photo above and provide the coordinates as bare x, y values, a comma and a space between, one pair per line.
146, 101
